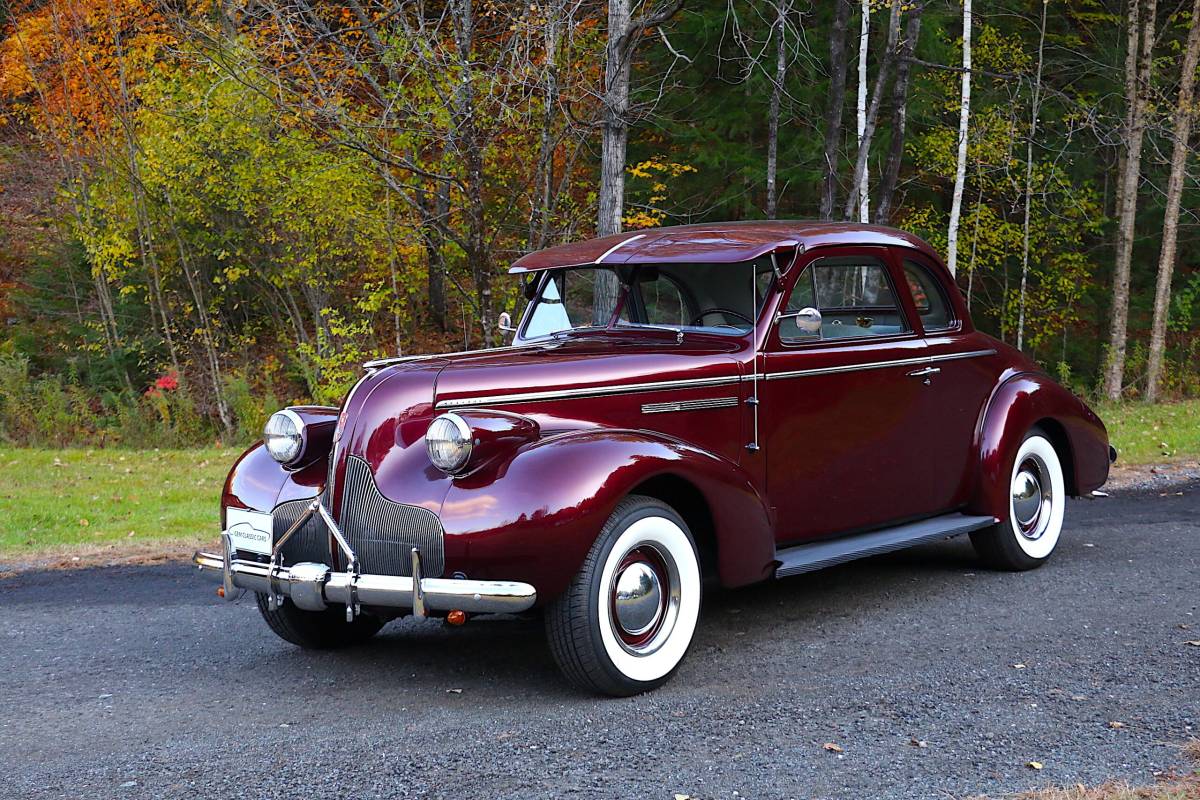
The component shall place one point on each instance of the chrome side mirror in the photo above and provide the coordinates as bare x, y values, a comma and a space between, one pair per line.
504, 322
808, 320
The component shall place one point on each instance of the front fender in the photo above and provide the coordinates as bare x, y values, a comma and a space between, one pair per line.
1022, 401
534, 517
259, 482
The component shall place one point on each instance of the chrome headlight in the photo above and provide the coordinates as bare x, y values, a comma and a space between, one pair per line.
284, 436
449, 442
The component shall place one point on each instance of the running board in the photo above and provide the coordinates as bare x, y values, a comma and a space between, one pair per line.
809, 557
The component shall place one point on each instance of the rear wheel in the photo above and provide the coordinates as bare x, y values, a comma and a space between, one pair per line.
627, 619
317, 630
1037, 502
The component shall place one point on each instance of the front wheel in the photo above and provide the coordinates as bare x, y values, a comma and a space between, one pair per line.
627, 619
1037, 502
317, 630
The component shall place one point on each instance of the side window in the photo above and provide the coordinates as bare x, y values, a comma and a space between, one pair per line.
929, 297
854, 296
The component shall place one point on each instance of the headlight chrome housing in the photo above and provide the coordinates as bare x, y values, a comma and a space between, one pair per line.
449, 441
284, 436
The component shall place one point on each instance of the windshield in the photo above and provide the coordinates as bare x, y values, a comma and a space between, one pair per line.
715, 298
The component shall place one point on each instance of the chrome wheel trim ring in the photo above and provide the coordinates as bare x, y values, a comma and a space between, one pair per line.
1032, 497
643, 620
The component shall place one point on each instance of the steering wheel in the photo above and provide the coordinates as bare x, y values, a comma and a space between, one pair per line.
699, 318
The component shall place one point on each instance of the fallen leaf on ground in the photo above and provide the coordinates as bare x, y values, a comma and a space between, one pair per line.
1116, 725
1034, 765
832, 747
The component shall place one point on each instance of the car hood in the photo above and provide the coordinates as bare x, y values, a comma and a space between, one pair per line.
387, 413
385, 416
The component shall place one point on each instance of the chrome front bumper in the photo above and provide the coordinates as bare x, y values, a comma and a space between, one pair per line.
314, 587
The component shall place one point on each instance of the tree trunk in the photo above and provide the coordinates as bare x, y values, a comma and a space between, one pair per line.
964, 116
614, 130
837, 98
1035, 107
782, 8
471, 153
858, 192
434, 211
1139, 28
539, 218
1179, 153
869, 117
891, 173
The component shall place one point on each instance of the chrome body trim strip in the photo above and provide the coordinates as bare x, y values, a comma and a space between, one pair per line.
689, 405
691, 383
592, 391
899, 362
617, 246
956, 356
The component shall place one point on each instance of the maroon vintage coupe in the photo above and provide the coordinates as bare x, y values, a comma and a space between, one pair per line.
725, 402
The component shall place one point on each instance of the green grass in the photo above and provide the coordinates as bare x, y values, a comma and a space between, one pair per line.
1147, 434
63, 501
55, 500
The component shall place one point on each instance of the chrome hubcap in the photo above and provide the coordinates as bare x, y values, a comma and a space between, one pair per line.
638, 601
1027, 497
1032, 498
644, 599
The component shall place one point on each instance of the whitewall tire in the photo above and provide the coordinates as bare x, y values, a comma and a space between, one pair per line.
625, 623
1036, 505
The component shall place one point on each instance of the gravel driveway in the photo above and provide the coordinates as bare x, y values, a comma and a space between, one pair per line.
934, 677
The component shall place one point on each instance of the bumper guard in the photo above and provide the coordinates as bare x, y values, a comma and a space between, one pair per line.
314, 587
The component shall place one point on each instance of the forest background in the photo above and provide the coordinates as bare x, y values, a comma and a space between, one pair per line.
210, 209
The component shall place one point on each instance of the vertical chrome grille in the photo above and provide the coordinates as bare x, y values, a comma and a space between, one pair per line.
311, 542
381, 532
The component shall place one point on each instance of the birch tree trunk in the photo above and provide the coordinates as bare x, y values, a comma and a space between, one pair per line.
1184, 110
891, 172
859, 194
1140, 27
868, 119
837, 99
782, 9
1033, 121
964, 116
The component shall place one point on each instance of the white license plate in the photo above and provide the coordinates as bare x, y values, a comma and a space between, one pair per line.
249, 530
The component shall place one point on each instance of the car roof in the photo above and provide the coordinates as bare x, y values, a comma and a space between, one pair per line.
714, 242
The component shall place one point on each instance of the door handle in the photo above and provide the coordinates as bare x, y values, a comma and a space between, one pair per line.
924, 372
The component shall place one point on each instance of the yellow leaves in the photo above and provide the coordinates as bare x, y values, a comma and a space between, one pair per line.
658, 165
1034, 765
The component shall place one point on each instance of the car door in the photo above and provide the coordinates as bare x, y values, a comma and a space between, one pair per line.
842, 410
966, 372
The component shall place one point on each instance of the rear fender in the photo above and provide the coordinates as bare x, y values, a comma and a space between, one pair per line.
534, 516
1022, 401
